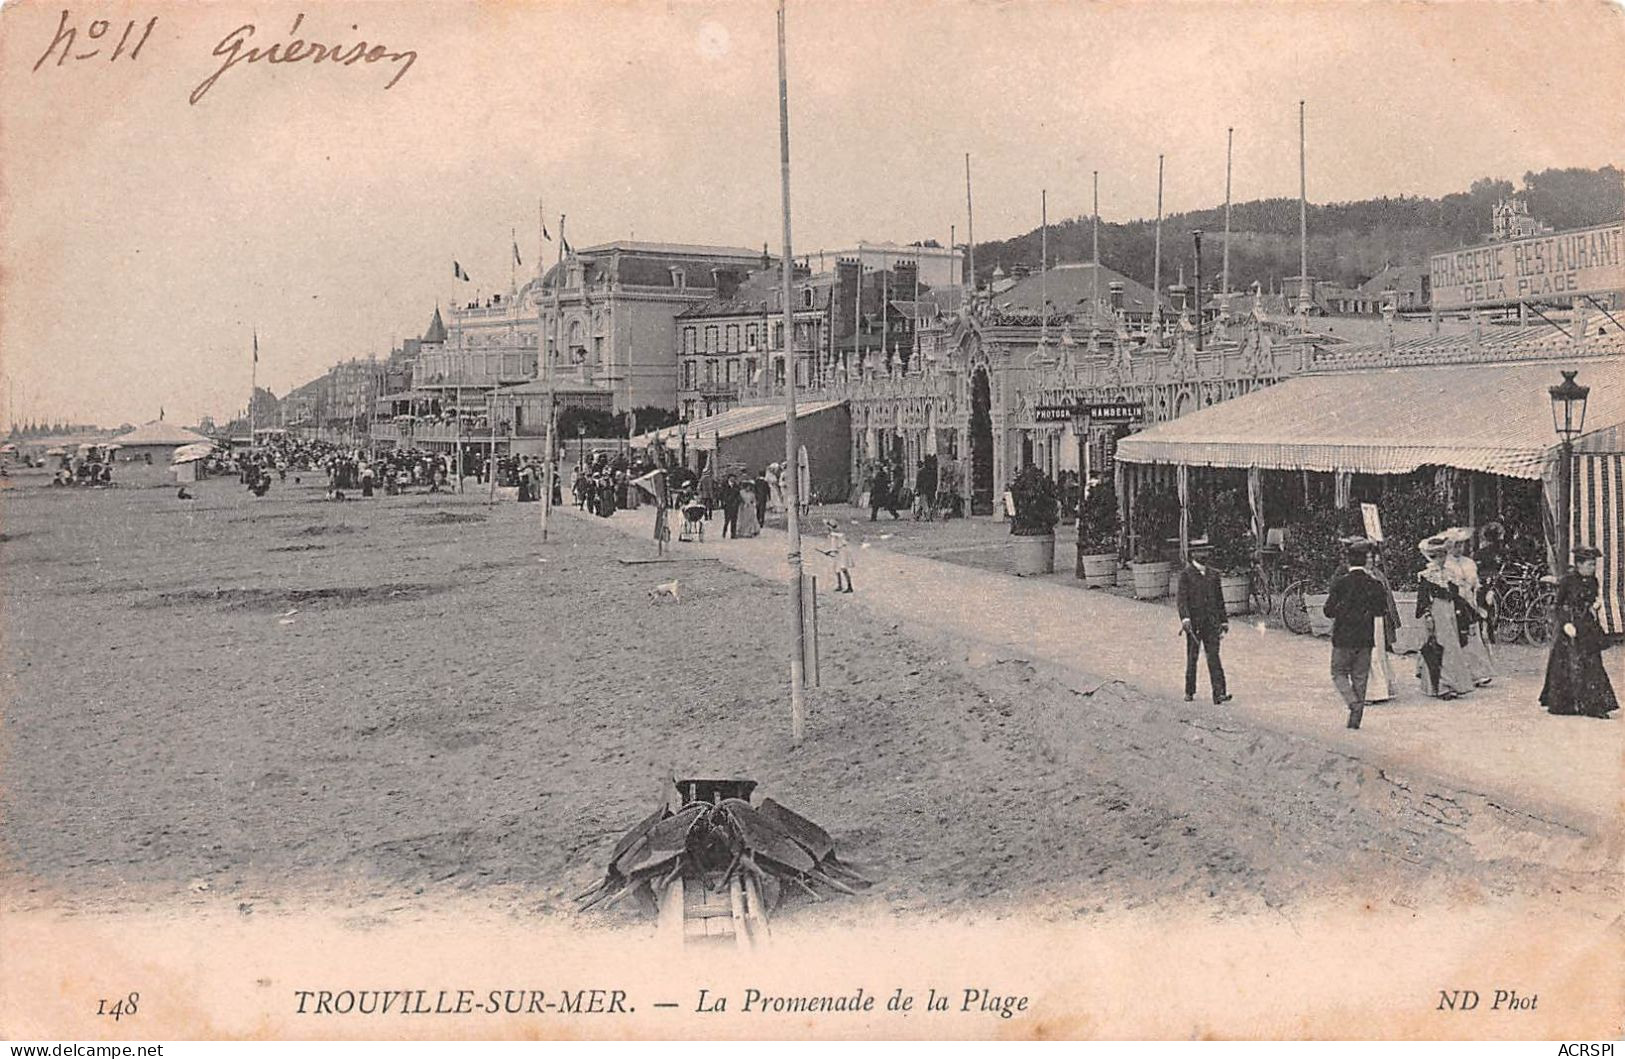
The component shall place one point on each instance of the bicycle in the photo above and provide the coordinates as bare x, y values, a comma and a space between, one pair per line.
1524, 602
1295, 607
1260, 593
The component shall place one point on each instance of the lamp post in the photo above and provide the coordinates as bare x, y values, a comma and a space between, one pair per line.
1568, 419
581, 446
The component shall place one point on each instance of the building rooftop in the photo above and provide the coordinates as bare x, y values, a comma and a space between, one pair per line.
1070, 287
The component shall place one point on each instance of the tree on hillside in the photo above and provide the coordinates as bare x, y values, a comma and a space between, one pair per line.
1348, 241
1575, 198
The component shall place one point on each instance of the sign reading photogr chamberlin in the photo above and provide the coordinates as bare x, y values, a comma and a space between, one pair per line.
1558, 266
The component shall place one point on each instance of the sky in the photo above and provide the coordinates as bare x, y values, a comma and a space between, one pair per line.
144, 238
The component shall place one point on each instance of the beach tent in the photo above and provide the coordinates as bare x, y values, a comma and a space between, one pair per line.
157, 441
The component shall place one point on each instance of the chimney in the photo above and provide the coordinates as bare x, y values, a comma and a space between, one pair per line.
846, 294
1116, 289
726, 281
903, 273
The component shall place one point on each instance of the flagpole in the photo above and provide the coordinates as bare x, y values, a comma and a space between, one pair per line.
547, 373
253, 387
798, 710
1303, 227
1094, 315
1229, 150
1156, 267
970, 229
1043, 268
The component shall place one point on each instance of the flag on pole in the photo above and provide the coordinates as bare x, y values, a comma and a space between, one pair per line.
458, 273
516, 258
256, 345
545, 233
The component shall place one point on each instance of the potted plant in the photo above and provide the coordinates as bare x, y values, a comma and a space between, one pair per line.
1230, 534
1156, 518
1097, 536
1038, 509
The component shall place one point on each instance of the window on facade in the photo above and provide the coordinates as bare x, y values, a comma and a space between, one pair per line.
710, 339
750, 336
733, 338
710, 372
689, 369
778, 336
690, 340
733, 372
802, 373
807, 297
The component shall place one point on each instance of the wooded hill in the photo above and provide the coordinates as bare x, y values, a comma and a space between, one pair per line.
1349, 242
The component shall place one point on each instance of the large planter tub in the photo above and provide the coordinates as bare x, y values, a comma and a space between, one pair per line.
1034, 555
1151, 580
1234, 587
1097, 571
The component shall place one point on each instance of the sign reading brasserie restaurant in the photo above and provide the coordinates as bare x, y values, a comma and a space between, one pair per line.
1558, 266
1116, 412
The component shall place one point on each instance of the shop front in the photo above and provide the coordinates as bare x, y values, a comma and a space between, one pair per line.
1429, 447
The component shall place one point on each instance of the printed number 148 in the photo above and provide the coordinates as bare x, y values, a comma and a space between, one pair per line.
125, 1005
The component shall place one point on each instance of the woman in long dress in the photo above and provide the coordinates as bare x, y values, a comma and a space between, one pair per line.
775, 486
747, 525
1576, 682
1464, 572
1441, 667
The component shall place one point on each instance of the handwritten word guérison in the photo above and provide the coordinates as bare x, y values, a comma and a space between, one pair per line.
234, 49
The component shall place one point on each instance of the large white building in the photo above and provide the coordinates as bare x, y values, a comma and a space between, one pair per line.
940, 267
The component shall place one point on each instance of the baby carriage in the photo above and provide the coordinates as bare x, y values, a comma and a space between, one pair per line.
693, 521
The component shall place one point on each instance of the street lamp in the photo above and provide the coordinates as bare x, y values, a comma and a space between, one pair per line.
1568, 419
581, 446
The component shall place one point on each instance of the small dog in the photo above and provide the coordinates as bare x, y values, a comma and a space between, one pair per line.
668, 590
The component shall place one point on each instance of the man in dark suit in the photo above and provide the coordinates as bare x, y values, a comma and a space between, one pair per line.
731, 500
880, 494
1356, 601
1201, 615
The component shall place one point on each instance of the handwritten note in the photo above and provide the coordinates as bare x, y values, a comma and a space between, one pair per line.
233, 49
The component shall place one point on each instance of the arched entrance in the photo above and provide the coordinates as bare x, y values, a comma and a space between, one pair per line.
981, 443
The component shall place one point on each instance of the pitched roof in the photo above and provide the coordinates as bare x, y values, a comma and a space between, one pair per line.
159, 432
671, 249
437, 328
1070, 287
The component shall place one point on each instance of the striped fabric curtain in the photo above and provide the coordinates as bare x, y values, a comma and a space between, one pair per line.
1183, 483
1255, 501
1598, 520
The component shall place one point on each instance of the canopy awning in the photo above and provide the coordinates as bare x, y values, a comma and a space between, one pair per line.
702, 434
1495, 418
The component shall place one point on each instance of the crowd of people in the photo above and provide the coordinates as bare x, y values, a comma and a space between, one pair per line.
1456, 604
935, 490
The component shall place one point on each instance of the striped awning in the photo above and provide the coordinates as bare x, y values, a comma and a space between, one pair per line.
702, 434
1495, 418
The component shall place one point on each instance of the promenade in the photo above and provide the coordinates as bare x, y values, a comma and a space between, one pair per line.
1497, 742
